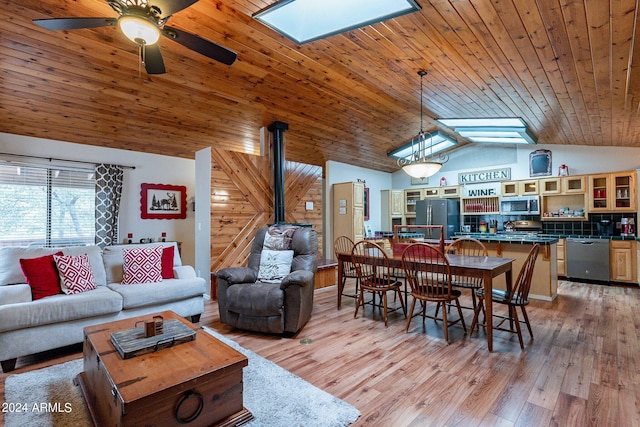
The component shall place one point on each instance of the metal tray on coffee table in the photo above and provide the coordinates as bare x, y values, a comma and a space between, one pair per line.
132, 342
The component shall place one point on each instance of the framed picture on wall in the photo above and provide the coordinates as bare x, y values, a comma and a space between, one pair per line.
540, 163
419, 181
162, 201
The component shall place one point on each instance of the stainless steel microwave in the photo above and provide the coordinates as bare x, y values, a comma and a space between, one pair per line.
520, 205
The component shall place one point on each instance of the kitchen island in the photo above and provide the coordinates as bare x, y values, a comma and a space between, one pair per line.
544, 285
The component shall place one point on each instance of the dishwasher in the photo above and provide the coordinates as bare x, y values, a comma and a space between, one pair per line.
588, 259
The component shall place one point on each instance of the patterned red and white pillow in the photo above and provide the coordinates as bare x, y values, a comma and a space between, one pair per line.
142, 265
75, 272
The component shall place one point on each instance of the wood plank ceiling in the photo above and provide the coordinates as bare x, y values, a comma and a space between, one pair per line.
568, 68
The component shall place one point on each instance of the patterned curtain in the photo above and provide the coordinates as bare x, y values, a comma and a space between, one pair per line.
108, 193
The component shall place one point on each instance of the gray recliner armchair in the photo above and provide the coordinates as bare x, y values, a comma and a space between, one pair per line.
281, 307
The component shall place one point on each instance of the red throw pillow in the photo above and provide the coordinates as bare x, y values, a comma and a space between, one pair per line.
142, 265
167, 262
41, 275
75, 273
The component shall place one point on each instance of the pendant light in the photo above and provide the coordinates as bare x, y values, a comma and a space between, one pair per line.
419, 164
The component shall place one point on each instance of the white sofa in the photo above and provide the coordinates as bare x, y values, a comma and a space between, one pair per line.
30, 326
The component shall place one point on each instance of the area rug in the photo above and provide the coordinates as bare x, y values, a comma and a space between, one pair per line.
276, 397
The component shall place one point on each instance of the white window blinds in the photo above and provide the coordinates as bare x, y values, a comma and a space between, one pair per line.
46, 206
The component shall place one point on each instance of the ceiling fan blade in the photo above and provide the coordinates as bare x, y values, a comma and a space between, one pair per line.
74, 23
169, 7
200, 45
152, 59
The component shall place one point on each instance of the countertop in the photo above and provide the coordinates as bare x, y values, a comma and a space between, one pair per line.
545, 239
539, 238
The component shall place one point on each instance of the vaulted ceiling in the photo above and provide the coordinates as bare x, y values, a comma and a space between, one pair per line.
569, 68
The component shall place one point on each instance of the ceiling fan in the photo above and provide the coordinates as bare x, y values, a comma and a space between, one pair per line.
143, 21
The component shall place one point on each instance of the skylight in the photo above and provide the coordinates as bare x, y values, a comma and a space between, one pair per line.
304, 21
510, 130
439, 141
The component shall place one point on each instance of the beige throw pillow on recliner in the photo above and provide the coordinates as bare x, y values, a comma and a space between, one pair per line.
274, 265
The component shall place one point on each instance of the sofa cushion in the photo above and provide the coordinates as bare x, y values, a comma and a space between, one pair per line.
95, 259
113, 261
41, 274
11, 273
142, 265
145, 294
59, 308
13, 294
76, 275
167, 262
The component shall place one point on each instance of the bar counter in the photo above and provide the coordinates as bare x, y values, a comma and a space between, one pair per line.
544, 284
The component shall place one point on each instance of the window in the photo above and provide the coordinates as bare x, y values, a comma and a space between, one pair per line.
43, 206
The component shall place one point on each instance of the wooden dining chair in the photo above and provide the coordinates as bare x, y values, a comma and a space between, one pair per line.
469, 247
372, 267
518, 297
429, 275
344, 245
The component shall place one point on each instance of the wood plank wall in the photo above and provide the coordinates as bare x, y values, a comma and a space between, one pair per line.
242, 201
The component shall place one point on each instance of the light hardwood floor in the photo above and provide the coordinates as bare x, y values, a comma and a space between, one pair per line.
581, 369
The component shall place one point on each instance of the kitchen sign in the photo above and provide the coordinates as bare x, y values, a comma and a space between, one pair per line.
490, 175
491, 189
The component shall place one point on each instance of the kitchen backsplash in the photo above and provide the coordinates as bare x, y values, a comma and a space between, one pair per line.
582, 228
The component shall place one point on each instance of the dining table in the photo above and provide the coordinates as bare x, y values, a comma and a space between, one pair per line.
485, 267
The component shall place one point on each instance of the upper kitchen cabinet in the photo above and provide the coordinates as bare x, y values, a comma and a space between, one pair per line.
563, 185
480, 205
431, 192
564, 198
612, 192
527, 187
410, 199
574, 184
452, 191
550, 186
392, 208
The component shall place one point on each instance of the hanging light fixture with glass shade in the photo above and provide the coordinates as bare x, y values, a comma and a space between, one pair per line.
421, 162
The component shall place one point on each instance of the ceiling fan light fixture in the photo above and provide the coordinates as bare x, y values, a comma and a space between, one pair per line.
139, 30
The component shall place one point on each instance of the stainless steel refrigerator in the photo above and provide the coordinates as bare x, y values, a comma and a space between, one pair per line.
444, 212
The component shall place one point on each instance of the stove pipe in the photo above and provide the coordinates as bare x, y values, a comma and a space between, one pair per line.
277, 129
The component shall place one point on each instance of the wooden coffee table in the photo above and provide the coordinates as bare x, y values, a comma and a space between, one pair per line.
197, 382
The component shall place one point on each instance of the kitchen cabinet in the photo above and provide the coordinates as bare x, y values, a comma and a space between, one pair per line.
442, 192
550, 186
480, 206
561, 263
574, 184
431, 192
563, 185
520, 188
392, 208
623, 261
612, 192
450, 191
564, 198
410, 199
348, 210
564, 207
